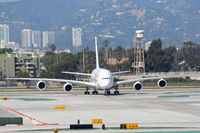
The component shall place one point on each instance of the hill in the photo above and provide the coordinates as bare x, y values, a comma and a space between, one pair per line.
174, 21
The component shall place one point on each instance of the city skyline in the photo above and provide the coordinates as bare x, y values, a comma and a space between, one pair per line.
34, 39
76, 37
26, 38
48, 38
4, 35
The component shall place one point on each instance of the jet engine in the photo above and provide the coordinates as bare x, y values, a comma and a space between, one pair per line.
41, 85
137, 86
67, 87
162, 83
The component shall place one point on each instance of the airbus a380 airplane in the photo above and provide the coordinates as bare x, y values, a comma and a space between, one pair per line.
100, 79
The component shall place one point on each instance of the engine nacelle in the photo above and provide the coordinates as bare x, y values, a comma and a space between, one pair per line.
137, 86
41, 85
67, 87
162, 83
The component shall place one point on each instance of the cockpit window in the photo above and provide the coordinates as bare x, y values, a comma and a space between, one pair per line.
105, 78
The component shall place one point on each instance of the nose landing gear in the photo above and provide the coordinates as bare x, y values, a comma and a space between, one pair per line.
107, 92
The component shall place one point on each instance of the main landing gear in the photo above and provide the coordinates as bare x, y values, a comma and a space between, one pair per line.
116, 92
87, 91
95, 92
107, 92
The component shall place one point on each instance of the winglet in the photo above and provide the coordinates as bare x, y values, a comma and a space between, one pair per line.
97, 56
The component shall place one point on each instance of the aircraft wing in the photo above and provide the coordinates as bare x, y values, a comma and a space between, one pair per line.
76, 73
56, 80
116, 73
143, 79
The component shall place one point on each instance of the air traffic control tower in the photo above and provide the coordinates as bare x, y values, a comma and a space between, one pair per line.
139, 63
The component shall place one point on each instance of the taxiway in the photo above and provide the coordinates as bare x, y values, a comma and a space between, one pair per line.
153, 109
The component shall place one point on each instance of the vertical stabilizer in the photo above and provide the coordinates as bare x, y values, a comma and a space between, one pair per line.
97, 55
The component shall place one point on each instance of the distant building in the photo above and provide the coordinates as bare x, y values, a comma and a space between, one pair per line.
7, 65
28, 62
11, 64
65, 51
147, 45
76, 37
114, 61
26, 38
36, 39
4, 35
13, 45
48, 38
32, 39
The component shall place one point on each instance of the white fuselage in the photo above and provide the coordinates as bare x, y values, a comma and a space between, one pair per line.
103, 78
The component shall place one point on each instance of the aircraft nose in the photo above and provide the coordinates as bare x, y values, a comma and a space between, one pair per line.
106, 84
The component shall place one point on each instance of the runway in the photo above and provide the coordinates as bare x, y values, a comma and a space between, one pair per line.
153, 109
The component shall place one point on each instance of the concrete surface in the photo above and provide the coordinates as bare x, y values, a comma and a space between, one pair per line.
154, 110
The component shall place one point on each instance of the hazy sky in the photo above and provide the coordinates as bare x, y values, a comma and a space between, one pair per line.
8, 0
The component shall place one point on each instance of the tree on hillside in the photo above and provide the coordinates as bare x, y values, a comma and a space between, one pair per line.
69, 62
22, 74
154, 56
53, 48
168, 58
190, 54
158, 59
119, 53
102, 57
106, 44
89, 58
5, 50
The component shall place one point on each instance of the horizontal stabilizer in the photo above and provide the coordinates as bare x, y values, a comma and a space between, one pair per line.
76, 73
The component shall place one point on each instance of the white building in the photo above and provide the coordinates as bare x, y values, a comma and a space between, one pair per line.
13, 45
36, 39
147, 45
76, 37
48, 38
4, 35
26, 38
